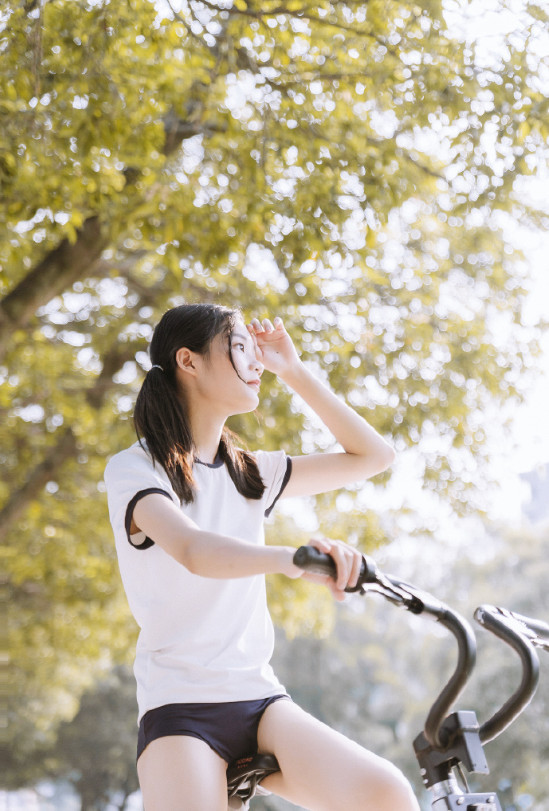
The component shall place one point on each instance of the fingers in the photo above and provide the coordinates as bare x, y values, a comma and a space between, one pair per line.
251, 331
266, 326
348, 564
323, 580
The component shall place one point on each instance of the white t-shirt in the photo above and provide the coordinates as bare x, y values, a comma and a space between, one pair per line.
201, 639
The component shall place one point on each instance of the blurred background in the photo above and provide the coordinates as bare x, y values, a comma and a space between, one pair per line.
376, 173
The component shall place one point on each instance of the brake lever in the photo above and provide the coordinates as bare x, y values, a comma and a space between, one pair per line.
371, 579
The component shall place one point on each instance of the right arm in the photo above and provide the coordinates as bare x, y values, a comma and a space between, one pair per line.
210, 554
207, 554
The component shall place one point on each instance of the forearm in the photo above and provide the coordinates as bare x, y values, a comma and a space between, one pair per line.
222, 557
354, 434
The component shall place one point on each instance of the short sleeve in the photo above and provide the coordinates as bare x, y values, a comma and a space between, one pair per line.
129, 476
275, 468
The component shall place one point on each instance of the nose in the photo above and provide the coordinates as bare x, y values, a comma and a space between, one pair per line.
257, 365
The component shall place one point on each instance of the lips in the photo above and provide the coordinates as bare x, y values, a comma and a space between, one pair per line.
255, 384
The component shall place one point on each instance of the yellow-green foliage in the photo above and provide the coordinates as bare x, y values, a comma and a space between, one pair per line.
350, 166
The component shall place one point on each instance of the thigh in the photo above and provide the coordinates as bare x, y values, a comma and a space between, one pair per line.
323, 770
182, 773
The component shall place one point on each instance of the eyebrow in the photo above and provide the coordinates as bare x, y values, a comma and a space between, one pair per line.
240, 335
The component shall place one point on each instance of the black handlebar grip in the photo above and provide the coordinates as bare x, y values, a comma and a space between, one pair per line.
311, 560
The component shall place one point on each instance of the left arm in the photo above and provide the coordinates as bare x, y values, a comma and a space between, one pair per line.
365, 452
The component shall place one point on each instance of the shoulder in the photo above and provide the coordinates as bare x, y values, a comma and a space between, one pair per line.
134, 456
130, 474
131, 464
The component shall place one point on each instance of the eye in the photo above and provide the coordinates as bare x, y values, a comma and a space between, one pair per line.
239, 346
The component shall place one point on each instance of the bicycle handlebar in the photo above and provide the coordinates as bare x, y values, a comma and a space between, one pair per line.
418, 602
514, 631
536, 631
449, 740
519, 632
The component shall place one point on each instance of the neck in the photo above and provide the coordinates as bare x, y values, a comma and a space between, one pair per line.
206, 433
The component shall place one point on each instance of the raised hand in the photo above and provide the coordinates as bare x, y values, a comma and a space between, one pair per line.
275, 348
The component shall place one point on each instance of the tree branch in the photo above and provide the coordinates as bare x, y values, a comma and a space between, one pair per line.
300, 14
66, 446
70, 261
62, 267
64, 449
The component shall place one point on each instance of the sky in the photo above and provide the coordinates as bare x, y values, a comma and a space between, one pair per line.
529, 449
532, 417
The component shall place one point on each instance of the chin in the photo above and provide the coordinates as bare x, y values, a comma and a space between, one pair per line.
246, 407
250, 408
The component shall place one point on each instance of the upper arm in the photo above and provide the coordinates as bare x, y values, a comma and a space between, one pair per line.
163, 522
321, 472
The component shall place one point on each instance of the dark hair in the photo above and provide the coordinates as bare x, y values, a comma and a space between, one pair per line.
160, 416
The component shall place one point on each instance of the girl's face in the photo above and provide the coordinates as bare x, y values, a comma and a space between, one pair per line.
233, 370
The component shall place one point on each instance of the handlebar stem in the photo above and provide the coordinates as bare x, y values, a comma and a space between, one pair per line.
463, 745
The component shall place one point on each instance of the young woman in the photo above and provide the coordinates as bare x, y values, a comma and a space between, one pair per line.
187, 508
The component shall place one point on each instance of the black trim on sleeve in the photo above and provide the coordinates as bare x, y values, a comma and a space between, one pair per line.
285, 481
148, 542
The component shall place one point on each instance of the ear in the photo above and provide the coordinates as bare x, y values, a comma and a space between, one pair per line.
186, 360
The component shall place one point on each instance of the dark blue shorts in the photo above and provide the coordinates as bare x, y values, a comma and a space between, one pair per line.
229, 728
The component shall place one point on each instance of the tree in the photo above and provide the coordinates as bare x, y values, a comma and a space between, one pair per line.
95, 751
352, 166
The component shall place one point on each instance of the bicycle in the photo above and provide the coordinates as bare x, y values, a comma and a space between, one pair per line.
449, 742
